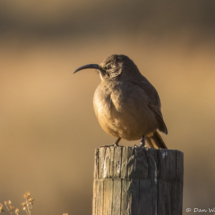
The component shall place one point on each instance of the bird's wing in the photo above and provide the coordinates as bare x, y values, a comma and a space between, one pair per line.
158, 114
153, 101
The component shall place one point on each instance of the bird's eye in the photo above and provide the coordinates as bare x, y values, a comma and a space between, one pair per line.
109, 67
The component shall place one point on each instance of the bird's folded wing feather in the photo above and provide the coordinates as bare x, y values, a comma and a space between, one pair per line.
158, 114
153, 101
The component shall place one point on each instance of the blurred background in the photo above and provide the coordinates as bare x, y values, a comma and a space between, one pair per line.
48, 130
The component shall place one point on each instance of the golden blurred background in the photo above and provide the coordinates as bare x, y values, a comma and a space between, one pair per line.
48, 130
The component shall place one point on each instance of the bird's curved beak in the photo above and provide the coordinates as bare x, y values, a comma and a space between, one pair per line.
89, 66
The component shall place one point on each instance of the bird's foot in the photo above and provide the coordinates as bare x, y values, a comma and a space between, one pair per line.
115, 144
107, 145
142, 144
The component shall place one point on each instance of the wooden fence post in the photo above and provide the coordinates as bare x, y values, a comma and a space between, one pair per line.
137, 181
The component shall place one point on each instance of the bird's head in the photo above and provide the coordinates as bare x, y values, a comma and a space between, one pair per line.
113, 67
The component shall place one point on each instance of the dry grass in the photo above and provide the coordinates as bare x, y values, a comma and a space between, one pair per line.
27, 206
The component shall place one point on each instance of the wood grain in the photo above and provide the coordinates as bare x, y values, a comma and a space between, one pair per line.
137, 181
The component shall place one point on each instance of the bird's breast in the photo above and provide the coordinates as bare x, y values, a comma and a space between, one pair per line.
102, 105
122, 111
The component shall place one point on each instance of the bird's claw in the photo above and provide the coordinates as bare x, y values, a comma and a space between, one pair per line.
114, 145
141, 146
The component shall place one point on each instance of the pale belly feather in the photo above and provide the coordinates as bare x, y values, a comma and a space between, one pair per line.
121, 113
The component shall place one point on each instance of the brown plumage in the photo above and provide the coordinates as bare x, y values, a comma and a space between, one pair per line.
126, 104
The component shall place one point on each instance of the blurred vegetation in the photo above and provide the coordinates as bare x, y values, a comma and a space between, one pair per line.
27, 206
75, 18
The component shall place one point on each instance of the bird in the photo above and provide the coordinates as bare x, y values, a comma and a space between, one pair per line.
126, 104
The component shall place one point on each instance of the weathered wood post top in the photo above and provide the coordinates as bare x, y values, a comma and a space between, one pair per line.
134, 181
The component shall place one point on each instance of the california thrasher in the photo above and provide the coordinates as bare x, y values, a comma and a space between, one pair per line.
126, 104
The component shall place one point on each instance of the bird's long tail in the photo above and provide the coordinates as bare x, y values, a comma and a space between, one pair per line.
156, 140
